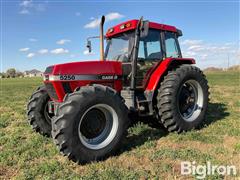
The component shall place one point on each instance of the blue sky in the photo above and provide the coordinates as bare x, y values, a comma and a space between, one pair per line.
36, 34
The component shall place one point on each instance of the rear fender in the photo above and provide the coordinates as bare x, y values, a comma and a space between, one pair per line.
157, 75
161, 70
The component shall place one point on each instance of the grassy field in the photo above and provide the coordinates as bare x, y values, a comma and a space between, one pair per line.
146, 153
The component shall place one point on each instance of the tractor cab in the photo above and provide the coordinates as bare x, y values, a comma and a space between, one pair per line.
156, 42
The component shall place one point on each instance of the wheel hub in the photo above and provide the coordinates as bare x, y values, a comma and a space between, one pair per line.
47, 114
93, 123
187, 99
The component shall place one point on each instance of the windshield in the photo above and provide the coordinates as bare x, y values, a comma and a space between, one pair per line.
119, 48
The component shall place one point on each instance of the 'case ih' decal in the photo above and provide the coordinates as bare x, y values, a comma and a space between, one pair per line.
80, 77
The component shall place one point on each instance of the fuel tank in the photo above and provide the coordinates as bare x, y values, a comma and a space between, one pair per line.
61, 79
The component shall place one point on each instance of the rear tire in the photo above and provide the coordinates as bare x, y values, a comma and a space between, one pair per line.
37, 112
90, 124
183, 99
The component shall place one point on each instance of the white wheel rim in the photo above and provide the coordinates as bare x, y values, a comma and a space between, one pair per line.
107, 134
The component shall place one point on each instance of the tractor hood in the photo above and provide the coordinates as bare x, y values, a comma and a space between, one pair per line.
61, 79
86, 70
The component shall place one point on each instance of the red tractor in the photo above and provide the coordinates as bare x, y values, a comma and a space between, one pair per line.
85, 106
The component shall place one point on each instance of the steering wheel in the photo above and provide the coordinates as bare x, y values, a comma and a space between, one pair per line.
121, 57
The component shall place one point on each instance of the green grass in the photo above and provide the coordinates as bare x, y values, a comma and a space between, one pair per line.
146, 152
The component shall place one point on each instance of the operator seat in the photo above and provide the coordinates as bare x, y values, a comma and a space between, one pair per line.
156, 55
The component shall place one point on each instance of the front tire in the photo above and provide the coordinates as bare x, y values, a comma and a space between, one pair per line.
37, 112
90, 124
183, 99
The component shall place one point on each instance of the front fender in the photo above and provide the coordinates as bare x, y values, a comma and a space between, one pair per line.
162, 68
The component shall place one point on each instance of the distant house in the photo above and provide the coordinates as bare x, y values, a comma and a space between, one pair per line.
33, 73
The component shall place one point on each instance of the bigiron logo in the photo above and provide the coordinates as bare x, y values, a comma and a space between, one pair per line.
201, 171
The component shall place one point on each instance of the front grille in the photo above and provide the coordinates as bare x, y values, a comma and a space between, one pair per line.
66, 87
51, 91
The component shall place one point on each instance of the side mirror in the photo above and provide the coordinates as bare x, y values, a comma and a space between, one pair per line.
179, 33
89, 46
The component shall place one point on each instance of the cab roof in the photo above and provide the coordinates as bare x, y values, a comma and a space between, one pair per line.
132, 24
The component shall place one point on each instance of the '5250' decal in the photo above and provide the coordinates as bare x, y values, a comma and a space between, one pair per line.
67, 77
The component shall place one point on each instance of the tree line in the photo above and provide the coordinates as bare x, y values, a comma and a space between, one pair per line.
11, 73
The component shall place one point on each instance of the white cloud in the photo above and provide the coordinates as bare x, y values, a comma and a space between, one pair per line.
60, 51
43, 51
109, 17
224, 48
210, 54
93, 24
189, 53
199, 46
209, 48
204, 56
113, 16
24, 49
27, 6
63, 41
33, 40
78, 14
196, 47
86, 52
190, 42
30, 55
229, 44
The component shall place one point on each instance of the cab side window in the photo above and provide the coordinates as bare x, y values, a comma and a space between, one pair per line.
154, 50
141, 54
150, 47
171, 45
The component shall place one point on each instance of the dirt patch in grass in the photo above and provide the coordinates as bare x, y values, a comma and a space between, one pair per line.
181, 145
131, 162
7, 172
229, 142
5, 109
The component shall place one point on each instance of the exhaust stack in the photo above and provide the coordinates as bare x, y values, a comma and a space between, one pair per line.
102, 39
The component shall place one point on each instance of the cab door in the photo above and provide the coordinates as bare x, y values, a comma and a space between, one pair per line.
149, 55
